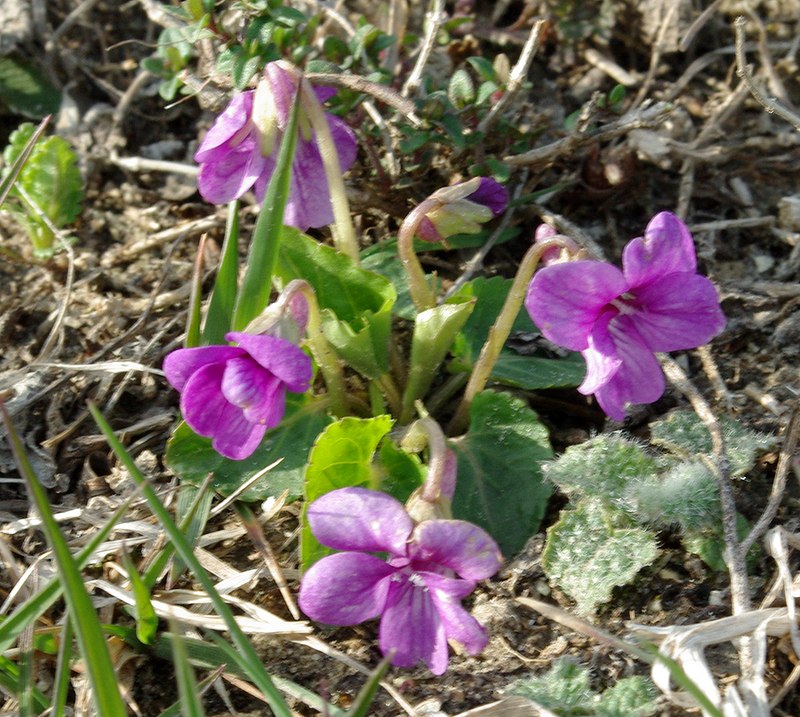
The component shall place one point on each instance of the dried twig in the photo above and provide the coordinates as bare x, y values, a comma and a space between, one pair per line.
435, 18
740, 590
778, 483
517, 76
642, 118
745, 71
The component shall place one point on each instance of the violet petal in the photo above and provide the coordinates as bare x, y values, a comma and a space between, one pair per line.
411, 626
228, 174
678, 311
360, 519
491, 194
639, 378
255, 390
666, 247
564, 300
225, 128
458, 545
279, 356
459, 625
345, 588
181, 364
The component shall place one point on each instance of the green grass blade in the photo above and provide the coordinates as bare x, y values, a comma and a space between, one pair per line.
366, 695
246, 652
191, 706
9, 683
146, 618
174, 710
192, 508
93, 648
223, 296
189, 522
25, 686
257, 282
28, 612
195, 300
61, 681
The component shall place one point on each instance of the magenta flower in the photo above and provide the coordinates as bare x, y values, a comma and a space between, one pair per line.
417, 591
233, 394
619, 319
461, 208
240, 149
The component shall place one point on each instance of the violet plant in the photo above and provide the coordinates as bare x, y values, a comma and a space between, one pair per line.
323, 380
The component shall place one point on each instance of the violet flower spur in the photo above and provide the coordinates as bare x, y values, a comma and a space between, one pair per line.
618, 319
240, 149
233, 394
417, 591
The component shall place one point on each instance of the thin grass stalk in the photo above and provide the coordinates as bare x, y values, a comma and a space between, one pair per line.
246, 655
195, 299
191, 705
61, 680
223, 295
94, 650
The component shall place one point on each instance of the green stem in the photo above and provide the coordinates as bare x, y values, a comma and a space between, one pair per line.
421, 293
321, 349
500, 331
344, 235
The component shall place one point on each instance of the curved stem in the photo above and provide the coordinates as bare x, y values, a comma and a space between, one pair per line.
321, 350
500, 330
344, 235
421, 293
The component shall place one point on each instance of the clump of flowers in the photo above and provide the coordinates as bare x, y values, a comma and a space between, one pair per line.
431, 564
618, 319
233, 394
241, 147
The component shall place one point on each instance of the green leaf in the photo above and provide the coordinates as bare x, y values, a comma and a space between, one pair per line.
587, 555
146, 618
191, 704
564, 688
630, 697
403, 472
356, 304
25, 90
683, 432
434, 332
513, 369
500, 484
484, 68
461, 89
341, 457
51, 179
604, 467
687, 495
192, 457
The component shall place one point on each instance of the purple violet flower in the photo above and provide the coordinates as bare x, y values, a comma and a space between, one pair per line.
417, 591
240, 149
462, 208
233, 394
618, 319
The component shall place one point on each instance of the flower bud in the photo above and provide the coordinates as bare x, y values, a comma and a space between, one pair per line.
462, 209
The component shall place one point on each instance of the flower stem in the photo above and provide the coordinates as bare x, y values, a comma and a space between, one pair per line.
499, 331
421, 293
344, 235
321, 350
